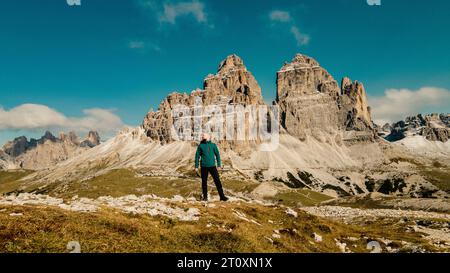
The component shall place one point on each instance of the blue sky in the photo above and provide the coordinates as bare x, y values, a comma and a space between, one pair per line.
105, 63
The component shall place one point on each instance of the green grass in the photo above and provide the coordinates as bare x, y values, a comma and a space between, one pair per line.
440, 177
122, 182
365, 202
10, 180
300, 197
436, 173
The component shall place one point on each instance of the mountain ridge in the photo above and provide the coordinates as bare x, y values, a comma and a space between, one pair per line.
40, 153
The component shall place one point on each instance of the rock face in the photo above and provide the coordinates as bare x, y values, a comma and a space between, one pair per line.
233, 84
434, 127
354, 103
92, 140
312, 103
48, 150
18, 146
306, 95
4, 160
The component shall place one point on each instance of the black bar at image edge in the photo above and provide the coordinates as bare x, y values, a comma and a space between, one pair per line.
224, 262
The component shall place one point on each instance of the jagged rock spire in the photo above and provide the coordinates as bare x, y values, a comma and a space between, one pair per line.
234, 81
232, 84
232, 62
356, 93
312, 103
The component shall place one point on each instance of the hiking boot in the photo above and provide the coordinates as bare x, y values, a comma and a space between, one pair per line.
224, 199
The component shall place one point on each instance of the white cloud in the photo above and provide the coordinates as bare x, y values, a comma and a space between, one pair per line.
280, 16
136, 44
301, 38
396, 104
143, 46
42, 117
172, 11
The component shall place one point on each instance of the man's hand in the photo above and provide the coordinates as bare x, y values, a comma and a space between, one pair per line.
197, 171
219, 168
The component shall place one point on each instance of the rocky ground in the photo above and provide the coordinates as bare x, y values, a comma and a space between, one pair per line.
126, 205
435, 227
349, 214
148, 223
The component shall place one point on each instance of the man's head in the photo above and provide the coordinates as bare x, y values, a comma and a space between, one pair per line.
205, 137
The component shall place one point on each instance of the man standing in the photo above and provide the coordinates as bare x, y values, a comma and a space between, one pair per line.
208, 153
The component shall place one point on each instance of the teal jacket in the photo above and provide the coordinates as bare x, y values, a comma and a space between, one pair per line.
208, 152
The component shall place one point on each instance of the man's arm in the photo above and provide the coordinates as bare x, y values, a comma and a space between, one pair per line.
217, 153
197, 157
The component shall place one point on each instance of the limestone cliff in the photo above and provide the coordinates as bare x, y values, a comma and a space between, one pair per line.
312, 103
233, 84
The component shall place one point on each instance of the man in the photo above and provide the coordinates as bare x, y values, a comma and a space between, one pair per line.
208, 153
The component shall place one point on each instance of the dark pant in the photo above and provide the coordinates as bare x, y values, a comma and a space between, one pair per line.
215, 174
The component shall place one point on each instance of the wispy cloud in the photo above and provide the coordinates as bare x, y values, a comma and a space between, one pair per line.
301, 38
169, 12
396, 104
144, 46
172, 11
136, 44
42, 117
280, 16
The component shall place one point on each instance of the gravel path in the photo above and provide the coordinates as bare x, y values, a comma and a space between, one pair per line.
346, 213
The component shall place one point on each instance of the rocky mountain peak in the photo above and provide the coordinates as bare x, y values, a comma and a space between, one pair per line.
48, 136
70, 138
232, 62
17, 146
352, 89
232, 84
92, 140
434, 127
300, 61
304, 76
312, 102
356, 95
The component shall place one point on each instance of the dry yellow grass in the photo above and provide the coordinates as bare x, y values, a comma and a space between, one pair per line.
43, 229
10, 180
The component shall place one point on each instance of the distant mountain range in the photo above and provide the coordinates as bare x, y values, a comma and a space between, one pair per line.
433, 127
35, 154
